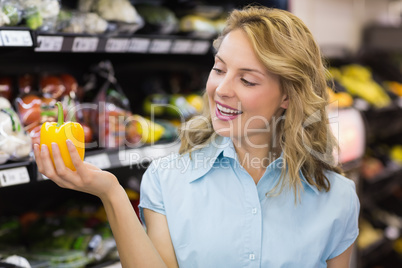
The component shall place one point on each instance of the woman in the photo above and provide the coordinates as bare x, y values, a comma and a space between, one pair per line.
255, 183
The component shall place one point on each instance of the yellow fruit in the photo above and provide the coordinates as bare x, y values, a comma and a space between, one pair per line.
358, 81
196, 101
396, 154
150, 131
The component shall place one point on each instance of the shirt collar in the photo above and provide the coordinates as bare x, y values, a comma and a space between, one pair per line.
277, 166
203, 160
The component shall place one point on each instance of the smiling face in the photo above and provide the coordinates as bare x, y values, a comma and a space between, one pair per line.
243, 96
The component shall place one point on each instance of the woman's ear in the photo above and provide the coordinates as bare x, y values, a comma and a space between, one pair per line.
285, 102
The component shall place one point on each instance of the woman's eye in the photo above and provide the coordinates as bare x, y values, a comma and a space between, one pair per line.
218, 71
247, 83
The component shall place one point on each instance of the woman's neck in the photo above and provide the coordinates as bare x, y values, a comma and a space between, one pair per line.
255, 155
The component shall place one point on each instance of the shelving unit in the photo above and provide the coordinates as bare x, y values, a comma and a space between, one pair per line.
380, 202
39, 44
22, 188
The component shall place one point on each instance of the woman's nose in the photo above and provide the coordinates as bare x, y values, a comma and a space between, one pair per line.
225, 88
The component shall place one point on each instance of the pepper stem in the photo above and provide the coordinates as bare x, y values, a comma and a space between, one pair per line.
60, 114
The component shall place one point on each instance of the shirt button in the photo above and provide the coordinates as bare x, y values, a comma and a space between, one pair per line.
254, 211
251, 257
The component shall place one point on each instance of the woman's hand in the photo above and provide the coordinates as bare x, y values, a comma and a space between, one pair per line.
87, 178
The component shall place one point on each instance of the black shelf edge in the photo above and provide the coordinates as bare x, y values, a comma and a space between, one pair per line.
22, 37
109, 159
15, 173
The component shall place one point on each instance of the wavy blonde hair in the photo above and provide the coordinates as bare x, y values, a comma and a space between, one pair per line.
287, 48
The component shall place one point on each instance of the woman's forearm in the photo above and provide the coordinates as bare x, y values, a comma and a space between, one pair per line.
134, 246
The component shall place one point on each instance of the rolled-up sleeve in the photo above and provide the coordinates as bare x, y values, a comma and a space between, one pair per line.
151, 192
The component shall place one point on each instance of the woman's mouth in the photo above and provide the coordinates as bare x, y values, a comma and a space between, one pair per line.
225, 113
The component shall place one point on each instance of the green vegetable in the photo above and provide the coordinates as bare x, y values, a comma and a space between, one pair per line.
12, 13
34, 19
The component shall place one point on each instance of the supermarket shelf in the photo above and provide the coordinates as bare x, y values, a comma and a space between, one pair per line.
136, 44
19, 37
26, 172
14, 173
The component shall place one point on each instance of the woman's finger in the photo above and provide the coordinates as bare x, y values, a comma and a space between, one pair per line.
76, 159
49, 168
38, 158
47, 164
61, 168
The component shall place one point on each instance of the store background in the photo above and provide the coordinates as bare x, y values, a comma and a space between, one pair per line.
35, 213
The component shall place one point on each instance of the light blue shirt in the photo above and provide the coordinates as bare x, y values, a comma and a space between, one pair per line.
219, 217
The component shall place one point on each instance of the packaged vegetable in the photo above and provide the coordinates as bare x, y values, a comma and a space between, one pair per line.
108, 120
41, 14
80, 22
52, 86
14, 141
116, 10
158, 19
198, 26
122, 17
12, 10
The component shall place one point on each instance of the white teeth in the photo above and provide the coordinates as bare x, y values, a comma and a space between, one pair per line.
227, 110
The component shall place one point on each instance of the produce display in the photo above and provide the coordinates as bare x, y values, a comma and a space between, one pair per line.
73, 235
111, 17
35, 14
34, 107
359, 82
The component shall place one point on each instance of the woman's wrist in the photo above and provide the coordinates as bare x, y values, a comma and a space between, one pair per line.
114, 190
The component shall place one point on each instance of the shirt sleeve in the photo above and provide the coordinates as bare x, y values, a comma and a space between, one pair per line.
351, 229
151, 192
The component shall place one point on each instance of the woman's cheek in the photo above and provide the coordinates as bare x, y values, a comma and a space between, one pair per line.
210, 86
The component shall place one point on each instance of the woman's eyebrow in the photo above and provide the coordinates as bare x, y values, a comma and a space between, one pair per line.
242, 69
252, 70
220, 59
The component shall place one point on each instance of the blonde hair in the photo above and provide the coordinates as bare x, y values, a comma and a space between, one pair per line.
287, 48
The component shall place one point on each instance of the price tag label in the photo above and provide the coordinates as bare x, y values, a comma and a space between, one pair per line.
49, 43
200, 47
14, 176
12, 38
131, 157
181, 46
160, 46
100, 160
85, 44
117, 45
139, 45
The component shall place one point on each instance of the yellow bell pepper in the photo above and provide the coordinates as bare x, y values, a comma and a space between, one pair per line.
61, 131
